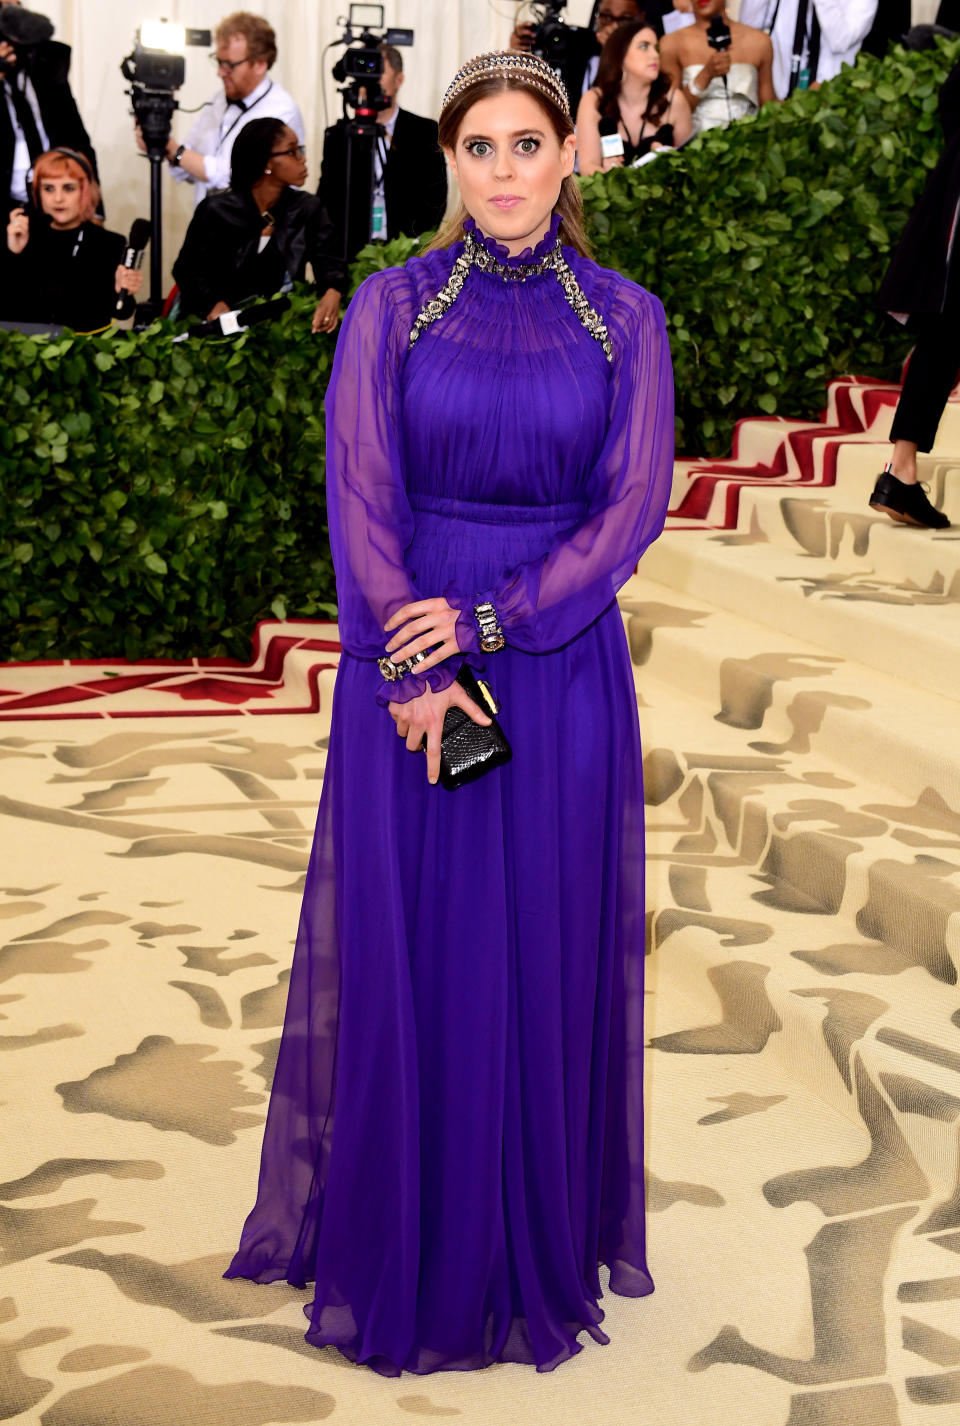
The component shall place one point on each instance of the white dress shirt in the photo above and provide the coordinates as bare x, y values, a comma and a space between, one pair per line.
21, 154
218, 124
844, 25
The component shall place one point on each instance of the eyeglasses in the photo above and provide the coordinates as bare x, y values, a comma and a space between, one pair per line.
298, 151
604, 17
227, 64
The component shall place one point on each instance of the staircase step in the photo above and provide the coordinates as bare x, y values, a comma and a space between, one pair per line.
897, 631
771, 451
805, 929
828, 524
780, 696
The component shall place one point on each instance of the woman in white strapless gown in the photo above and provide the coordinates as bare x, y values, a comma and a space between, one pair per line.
720, 104
721, 82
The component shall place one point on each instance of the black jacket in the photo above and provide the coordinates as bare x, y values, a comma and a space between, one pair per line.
63, 278
49, 71
414, 183
916, 280
220, 261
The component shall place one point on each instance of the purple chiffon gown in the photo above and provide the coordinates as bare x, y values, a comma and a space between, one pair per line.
455, 1135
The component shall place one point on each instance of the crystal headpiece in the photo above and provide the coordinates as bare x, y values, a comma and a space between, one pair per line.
512, 64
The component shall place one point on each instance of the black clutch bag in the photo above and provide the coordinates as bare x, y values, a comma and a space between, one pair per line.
468, 749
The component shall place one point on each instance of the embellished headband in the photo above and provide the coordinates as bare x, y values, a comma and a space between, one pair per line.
510, 64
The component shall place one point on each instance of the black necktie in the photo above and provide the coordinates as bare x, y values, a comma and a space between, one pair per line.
800, 44
25, 119
239, 103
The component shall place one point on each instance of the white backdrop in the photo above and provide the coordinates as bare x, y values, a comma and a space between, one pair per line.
101, 33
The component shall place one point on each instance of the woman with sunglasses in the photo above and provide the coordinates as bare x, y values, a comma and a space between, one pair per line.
258, 236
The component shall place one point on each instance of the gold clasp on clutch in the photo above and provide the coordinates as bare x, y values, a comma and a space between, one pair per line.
488, 698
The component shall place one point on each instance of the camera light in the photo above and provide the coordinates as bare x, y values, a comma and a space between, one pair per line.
162, 35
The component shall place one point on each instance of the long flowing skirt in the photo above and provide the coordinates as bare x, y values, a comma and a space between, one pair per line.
455, 1135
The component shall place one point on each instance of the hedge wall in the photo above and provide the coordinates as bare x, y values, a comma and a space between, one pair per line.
159, 499
767, 242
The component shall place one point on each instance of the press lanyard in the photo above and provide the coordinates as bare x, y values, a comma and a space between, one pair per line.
245, 110
801, 75
378, 211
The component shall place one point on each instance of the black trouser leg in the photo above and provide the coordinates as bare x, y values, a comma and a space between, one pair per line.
931, 374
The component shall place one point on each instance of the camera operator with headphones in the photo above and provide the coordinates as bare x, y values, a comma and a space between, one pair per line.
59, 266
37, 107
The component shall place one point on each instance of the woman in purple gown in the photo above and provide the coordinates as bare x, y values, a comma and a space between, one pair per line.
455, 1135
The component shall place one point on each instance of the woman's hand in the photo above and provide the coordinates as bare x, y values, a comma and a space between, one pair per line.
18, 230
217, 310
718, 63
128, 279
326, 314
423, 718
420, 626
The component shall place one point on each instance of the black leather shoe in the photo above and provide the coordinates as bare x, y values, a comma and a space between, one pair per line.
905, 503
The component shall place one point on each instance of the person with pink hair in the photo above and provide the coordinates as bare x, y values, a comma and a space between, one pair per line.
61, 268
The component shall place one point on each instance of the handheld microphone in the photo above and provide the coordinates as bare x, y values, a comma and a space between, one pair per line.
229, 323
132, 260
719, 39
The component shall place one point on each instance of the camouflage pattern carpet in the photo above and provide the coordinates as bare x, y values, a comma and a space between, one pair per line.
793, 657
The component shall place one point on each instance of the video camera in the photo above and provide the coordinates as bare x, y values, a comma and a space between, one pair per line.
360, 67
155, 69
552, 36
24, 31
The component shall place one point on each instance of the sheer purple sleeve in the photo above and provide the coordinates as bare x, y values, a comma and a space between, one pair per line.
544, 604
368, 513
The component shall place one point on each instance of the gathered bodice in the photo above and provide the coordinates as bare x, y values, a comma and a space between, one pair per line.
504, 398
720, 105
495, 423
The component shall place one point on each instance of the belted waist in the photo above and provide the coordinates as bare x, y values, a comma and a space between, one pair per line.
480, 512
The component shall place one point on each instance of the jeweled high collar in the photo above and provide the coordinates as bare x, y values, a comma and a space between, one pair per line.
492, 257
482, 254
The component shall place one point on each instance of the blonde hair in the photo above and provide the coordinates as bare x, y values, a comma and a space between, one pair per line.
569, 203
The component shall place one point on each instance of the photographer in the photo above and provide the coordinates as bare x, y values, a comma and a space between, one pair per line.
37, 107
578, 66
60, 267
409, 192
720, 84
830, 33
246, 51
257, 237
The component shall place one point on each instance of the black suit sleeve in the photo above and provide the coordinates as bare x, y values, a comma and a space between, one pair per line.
329, 269
415, 184
332, 187
949, 104
50, 75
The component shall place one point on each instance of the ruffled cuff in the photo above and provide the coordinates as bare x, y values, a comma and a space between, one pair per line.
413, 684
468, 635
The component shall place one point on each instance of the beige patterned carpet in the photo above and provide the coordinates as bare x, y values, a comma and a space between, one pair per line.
797, 673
